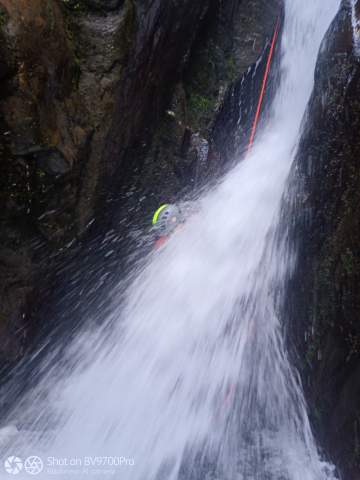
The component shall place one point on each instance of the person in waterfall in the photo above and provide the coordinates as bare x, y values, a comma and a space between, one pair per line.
169, 218
166, 220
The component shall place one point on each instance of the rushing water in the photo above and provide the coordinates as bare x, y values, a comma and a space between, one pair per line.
189, 378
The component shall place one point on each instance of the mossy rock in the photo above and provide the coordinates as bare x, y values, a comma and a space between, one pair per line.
4, 16
74, 5
200, 112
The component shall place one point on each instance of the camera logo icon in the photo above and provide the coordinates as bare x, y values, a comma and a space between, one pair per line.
13, 465
33, 465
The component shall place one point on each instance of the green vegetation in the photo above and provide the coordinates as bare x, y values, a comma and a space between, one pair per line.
200, 110
74, 5
200, 103
211, 70
4, 17
349, 262
232, 70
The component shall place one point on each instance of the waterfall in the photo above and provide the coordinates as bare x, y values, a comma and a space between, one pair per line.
189, 378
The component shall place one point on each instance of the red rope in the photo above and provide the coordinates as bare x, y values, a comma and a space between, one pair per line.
263, 87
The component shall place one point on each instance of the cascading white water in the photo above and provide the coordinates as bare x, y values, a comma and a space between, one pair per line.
356, 25
190, 377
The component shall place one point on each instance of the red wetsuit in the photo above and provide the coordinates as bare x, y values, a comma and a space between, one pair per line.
161, 241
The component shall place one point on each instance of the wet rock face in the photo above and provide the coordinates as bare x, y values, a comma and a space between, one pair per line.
324, 293
165, 32
37, 70
58, 72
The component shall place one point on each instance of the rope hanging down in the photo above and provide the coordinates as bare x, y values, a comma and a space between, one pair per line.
263, 86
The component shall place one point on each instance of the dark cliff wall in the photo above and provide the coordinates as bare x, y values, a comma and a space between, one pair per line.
163, 150
58, 75
103, 104
323, 300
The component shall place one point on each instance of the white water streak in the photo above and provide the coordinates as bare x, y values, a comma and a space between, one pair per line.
355, 26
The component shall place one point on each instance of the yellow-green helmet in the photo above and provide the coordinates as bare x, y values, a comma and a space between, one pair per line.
167, 218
